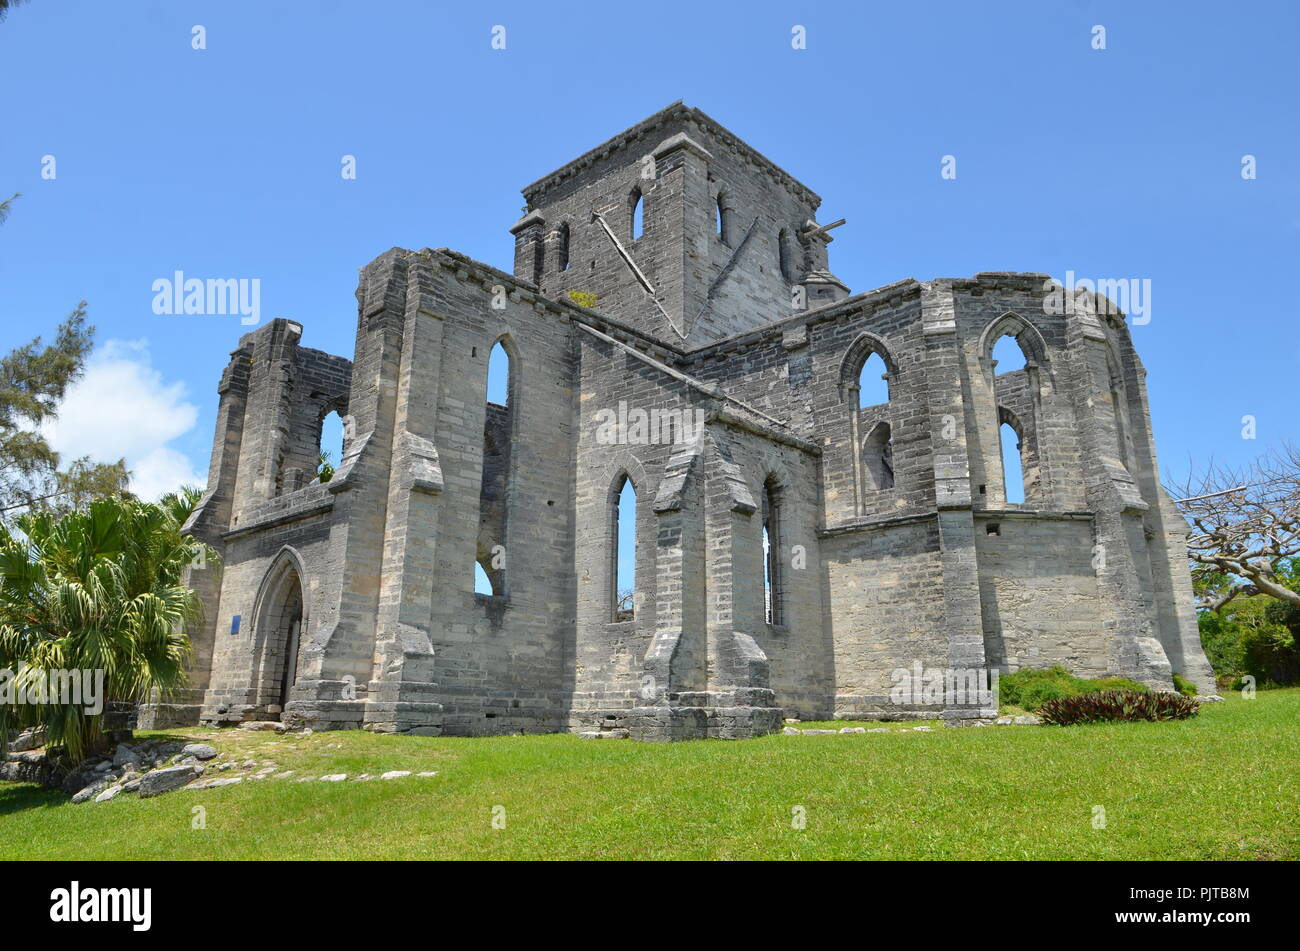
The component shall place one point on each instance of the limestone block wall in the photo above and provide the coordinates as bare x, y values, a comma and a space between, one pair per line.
885, 610
498, 661
805, 372
1040, 601
243, 684
320, 385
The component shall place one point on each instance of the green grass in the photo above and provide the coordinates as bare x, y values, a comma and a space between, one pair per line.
838, 725
1218, 786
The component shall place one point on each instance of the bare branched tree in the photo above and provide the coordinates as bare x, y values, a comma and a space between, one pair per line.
1243, 522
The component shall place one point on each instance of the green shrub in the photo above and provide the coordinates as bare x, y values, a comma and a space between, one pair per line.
583, 298
1113, 683
1184, 686
1030, 689
1117, 705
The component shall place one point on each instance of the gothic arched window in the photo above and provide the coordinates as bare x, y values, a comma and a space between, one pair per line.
622, 555
636, 208
773, 574
494, 494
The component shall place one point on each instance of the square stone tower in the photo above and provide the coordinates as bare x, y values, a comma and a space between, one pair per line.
678, 228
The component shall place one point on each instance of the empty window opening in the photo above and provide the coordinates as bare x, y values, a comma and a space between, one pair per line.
878, 458
490, 554
1008, 357
719, 219
562, 248
993, 528
498, 390
773, 593
1013, 473
330, 454
873, 383
482, 583
623, 552
638, 214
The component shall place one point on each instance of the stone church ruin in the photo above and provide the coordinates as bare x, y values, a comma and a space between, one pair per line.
671, 324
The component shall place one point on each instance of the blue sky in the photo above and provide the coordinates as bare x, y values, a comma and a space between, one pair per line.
225, 162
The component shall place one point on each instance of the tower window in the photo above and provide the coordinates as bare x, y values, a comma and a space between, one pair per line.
562, 248
638, 214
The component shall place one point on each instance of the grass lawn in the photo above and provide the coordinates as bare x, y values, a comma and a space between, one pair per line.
838, 725
1219, 786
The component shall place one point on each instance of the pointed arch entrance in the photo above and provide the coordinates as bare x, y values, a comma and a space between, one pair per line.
280, 618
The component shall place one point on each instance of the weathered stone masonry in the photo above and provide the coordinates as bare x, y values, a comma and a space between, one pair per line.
351, 603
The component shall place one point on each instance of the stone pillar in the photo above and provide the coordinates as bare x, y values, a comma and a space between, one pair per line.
401, 695
952, 487
1119, 509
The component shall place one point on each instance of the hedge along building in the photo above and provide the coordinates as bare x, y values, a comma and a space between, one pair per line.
672, 323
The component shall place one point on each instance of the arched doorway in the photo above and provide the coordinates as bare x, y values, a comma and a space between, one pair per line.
280, 621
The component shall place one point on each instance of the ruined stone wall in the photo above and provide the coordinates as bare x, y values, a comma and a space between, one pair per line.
936, 569
500, 659
609, 655
1040, 601
885, 611
320, 385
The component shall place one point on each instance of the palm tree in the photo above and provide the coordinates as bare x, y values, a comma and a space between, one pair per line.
6, 4
99, 589
4, 205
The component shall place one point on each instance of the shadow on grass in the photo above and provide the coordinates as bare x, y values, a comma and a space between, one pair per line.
16, 797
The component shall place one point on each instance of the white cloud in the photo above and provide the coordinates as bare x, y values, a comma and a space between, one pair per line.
122, 407
162, 471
